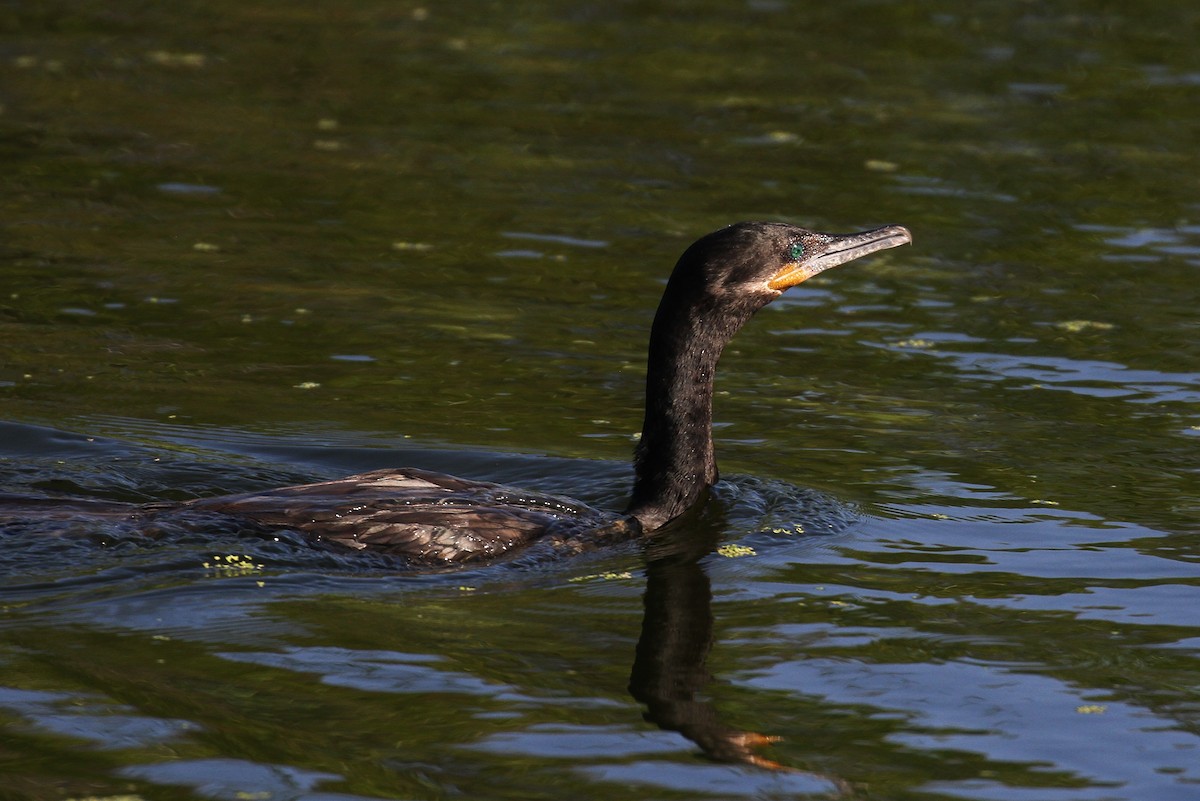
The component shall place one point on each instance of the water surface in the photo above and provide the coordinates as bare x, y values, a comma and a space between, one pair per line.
955, 554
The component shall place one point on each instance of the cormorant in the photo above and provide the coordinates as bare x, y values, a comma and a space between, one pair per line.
719, 282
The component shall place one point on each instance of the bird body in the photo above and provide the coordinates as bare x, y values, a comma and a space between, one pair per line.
429, 518
717, 285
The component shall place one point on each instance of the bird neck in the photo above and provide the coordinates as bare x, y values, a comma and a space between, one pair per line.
674, 461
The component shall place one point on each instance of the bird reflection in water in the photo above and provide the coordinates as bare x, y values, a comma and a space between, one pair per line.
670, 671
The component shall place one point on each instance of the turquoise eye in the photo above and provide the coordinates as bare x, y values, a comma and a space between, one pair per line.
797, 250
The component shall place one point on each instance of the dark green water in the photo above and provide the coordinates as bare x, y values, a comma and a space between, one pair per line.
248, 244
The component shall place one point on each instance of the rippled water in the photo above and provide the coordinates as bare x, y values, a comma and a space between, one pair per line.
955, 553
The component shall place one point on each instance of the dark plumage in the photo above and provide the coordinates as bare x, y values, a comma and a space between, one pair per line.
429, 518
717, 285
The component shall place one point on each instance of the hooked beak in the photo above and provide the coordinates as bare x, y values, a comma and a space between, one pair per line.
830, 250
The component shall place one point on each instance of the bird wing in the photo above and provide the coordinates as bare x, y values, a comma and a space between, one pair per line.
427, 517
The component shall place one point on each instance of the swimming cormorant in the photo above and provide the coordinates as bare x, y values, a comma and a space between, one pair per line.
719, 282
435, 520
